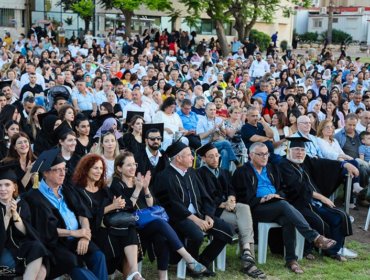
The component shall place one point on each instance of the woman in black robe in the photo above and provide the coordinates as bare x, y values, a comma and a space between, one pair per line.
306, 192
132, 139
20, 153
21, 253
117, 245
84, 142
45, 139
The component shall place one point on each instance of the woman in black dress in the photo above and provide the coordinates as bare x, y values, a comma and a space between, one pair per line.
117, 245
21, 154
84, 143
157, 234
132, 139
21, 253
10, 129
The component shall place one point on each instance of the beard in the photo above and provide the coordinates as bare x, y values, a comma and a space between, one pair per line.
154, 147
294, 160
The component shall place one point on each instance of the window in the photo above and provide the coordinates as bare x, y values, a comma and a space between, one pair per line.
7, 17
335, 20
317, 23
208, 27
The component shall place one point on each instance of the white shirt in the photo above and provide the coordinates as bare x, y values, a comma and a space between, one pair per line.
258, 68
153, 158
330, 150
146, 108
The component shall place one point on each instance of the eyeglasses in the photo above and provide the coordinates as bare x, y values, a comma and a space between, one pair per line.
59, 170
155, 138
262, 154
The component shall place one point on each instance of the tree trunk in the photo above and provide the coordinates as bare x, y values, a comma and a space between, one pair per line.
220, 31
239, 27
87, 25
128, 21
248, 27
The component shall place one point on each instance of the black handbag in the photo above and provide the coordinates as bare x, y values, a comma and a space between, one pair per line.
119, 219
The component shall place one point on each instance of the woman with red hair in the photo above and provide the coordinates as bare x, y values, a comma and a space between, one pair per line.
117, 245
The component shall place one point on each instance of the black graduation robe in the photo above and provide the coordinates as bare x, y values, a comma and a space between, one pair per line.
218, 188
299, 183
24, 248
144, 163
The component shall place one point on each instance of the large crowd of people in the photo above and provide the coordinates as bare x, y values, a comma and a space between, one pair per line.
218, 142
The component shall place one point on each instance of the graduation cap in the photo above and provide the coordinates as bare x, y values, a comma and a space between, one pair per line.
101, 118
205, 148
42, 117
149, 126
5, 84
131, 114
62, 130
7, 171
297, 142
175, 148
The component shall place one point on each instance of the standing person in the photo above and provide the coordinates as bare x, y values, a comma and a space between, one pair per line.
190, 209
257, 184
308, 192
62, 222
119, 246
21, 253
158, 234
61, 35
274, 38
219, 187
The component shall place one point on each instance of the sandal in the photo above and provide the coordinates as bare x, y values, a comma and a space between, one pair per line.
252, 271
293, 266
310, 257
247, 256
135, 276
195, 268
338, 258
321, 242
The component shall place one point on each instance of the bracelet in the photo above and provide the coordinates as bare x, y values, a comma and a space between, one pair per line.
149, 195
18, 219
134, 197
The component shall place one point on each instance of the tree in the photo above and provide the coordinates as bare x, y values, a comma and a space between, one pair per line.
85, 9
127, 7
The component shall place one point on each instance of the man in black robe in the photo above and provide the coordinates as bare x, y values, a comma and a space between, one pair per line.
61, 219
191, 210
218, 185
306, 194
258, 184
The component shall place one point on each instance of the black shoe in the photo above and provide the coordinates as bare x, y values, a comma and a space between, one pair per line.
209, 273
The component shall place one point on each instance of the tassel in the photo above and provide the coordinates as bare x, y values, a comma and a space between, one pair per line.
35, 181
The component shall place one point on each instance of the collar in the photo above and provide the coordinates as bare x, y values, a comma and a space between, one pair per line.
149, 154
182, 173
214, 171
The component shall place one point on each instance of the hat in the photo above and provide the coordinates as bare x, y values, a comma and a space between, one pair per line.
149, 126
205, 148
135, 86
62, 130
297, 142
101, 118
41, 117
5, 84
131, 114
59, 92
175, 148
7, 171
47, 160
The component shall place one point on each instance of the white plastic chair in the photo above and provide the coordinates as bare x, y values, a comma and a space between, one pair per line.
366, 227
263, 233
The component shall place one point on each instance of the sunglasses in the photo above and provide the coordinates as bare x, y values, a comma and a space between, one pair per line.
155, 138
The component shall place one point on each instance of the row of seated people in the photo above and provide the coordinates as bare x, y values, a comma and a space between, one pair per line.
61, 229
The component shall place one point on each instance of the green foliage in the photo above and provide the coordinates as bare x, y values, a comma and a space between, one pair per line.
284, 45
132, 5
309, 37
339, 36
84, 8
260, 38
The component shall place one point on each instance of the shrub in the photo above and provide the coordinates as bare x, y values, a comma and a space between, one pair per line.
259, 38
284, 45
309, 37
339, 36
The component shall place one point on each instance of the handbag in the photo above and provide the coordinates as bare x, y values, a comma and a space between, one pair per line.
119, 219
147, 215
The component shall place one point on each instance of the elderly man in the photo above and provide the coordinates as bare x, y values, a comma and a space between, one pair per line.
138, 105
312, 147
257, 184
211, 129
364, 121
191, 210
218, 185
308, 191
62, 222
356, 102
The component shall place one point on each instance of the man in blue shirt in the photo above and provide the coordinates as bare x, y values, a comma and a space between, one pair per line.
62, 222
189, 122
257, 184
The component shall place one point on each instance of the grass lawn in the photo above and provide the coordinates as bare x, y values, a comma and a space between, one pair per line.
365, 60
321, 268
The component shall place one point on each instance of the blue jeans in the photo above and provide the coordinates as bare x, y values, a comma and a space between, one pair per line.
96, 268
227, 153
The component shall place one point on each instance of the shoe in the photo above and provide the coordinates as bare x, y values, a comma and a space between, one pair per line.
338, 258
352, 219
345, 252
195, 268
321, 242
293, 266
208, 273
353, 206
357, 188
363, 203
252, 271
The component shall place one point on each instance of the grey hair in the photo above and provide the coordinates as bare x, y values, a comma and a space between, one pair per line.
252, 109
209, 104
256, 145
